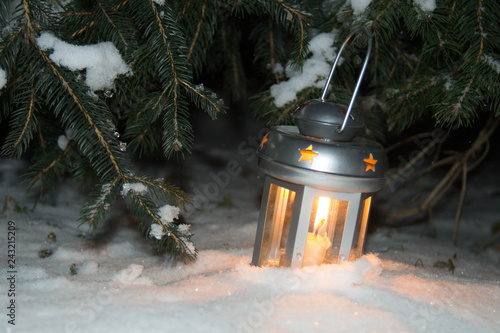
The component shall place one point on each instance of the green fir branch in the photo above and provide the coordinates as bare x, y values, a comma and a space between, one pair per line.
161, 191
172, 240
48, 167
294, 21
23, 126
85, 124
98, 203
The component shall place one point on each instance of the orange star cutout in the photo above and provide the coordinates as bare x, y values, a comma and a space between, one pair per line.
307, 154
370, 163
264, 140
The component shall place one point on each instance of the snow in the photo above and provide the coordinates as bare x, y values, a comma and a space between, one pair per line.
449, 83
313, 74
102, 62
485, 58
134, 187
359, 6
426, 5
156, 231
169, 213
184, 228
159, 2
62, 141
117, 281
3, 78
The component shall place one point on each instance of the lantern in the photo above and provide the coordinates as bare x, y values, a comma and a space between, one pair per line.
319, 181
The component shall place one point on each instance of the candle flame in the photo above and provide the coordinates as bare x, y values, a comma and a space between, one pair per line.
321, 214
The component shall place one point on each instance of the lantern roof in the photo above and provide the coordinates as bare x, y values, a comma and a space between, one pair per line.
358, 165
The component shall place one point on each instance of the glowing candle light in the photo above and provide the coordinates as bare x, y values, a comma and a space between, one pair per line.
318, 241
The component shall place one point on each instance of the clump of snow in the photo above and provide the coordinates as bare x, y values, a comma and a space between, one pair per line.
134, 187
131, 275
491, 62
3, 78
184, 228
425, 5
159, 2
168, 213
189, 245
178, 143
62, 142
102, 62
359, 6
278, 69
156, 231
313, 74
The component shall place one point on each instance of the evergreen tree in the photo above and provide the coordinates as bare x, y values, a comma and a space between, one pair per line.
77, 77
431, 60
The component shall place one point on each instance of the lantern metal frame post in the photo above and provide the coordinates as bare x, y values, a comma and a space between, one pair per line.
320, 158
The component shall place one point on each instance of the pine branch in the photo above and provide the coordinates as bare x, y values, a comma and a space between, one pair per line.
175, 79
112, 154
197, 32
269, 50
204, 99
23, 126
49, 166
112, 23
199, 20
170, 194
98, 203
293, 20
169, 238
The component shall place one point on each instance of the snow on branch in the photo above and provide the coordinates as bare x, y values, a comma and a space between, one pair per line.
313, 73
359, 6
489, 60
102, 62
426, 5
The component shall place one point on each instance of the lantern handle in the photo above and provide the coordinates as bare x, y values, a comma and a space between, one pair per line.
365, 63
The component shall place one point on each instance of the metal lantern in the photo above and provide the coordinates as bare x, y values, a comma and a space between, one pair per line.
319, 181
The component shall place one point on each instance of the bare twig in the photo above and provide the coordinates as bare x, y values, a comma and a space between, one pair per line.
461, 164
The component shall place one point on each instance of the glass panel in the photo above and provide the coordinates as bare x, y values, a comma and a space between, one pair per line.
277, 225
325, 231
360, 232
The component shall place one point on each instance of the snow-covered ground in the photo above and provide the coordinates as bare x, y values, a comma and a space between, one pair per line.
116, 281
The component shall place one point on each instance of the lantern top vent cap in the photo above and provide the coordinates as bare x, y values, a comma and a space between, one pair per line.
324, 119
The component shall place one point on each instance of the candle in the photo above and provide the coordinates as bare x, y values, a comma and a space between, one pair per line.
318, 241
315, 250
